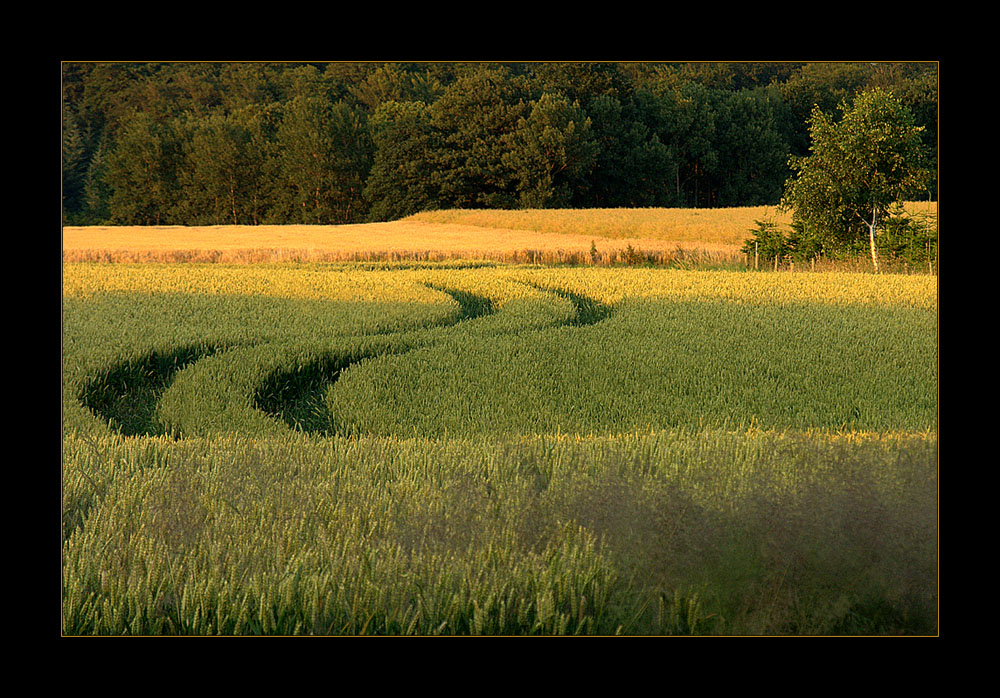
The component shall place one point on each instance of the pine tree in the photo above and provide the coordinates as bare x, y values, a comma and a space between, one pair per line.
74, 165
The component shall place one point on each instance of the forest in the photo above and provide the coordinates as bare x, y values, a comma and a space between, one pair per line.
249, 143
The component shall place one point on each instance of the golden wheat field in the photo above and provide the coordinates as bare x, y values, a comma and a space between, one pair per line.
407, 239
519, 236
692, 228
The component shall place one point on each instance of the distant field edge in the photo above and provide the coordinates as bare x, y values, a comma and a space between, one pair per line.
693, 238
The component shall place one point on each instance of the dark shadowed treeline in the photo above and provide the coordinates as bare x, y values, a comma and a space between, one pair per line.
283, 143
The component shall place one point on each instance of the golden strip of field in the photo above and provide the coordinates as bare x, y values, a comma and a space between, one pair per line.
403, 239
438, 235
718, 229
706, 229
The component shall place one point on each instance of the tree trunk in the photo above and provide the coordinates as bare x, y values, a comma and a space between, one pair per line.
696, 185
871, 242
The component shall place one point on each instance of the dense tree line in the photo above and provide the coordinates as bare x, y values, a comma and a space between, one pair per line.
250, 143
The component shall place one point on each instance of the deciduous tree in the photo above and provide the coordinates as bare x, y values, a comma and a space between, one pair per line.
324, 155
857, 168
142, 173
223, 177
551, 152
404, 177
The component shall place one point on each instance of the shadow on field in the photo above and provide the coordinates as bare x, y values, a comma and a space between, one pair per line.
472, 306
298, 397
125, 395
838, 553
588, 310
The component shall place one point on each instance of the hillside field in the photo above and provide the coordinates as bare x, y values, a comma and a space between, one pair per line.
280, 438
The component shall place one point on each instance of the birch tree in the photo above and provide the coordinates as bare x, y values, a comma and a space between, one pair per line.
857, 168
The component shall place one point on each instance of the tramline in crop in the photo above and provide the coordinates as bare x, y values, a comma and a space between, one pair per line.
499, 450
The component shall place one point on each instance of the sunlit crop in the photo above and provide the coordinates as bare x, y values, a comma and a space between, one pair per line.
461, 449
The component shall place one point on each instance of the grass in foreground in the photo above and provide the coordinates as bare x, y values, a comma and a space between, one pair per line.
666, 533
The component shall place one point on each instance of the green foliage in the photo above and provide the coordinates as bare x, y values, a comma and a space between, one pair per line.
752, 150
632, 167
494, 135
767, 241
805, 243
392, 83
551, 153
857, 169
322, 162
688, 128
224, 170
95, 188
584, 82
74, 165
404, 177
910, 238
824, 85
472, 116
141, 173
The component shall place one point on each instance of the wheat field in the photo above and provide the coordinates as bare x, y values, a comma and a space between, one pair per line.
460, 448
425, 449
399, 240
541, 235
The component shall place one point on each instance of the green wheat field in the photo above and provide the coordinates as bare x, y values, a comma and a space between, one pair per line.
462, 448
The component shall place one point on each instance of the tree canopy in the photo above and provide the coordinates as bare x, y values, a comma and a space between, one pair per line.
857, 169
193, 143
